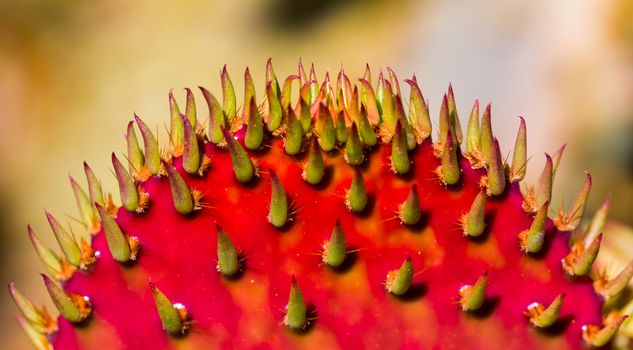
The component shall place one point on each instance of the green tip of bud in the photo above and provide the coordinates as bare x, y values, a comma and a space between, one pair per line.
399, 281
296, 310
217, 119
569, 221
249, 94
356, 198
87, 211
190, 108
472, 131
152, 152
472, 296
532, 240
228, 261
543, 317
544, 187
127, 186
314, 169
117, 241
275, 113
612, 288
353, 149
419, 112
65, 240
278, 214
134, 154
400, 162
334, 250
254, 127
556, 158
94, 188
74, 308
366, 131
294, 133
48, 258
229, 103
191, 151
325, 130
449, 171
242, 164
170, 314
452, 113
39, 320
474, 224
598, 336
486, 140
580, 260
519, 158
180, 192
410, 212
342, 131
496, 173
176, 128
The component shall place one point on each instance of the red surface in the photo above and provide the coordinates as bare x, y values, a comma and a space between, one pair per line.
352, 309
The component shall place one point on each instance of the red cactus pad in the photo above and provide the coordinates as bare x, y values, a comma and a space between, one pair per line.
233, 243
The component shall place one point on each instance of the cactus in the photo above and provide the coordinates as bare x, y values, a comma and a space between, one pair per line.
325, 220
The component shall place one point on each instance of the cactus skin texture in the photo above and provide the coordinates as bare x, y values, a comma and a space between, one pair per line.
227, 241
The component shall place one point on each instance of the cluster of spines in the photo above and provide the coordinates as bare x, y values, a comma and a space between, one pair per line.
347, 117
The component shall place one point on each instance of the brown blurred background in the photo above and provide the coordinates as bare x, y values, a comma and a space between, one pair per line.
73, 72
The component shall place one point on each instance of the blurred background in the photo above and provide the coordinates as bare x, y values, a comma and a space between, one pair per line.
73, 72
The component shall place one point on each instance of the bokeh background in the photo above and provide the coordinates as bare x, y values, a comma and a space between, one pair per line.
73, 72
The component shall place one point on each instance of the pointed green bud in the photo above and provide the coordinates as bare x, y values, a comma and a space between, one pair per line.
472, 296
532, 240
324, 127
176, 128
127, 186
39, 320
180, 192
334, 250
254, 128
496, 172
400, 162
228, 262
580, 260
170, 314
275, 113
399, 281
393, 80
117, 241
368, 99
190, 109
472, 131
216, 116
229, 103
449, 170
152, 152
569, 221
519, 158
342, 132
314, 169
473, 223
191, 151
419, 115
356, 197
556, 159
445, 122
305, 118
597, 222
50, 259
242, 164
294, 134
354, 154
271, 78
388, 116
597, 336
543, 317
486, 140
544, 189
249, 94
404, 123
87, 211
65, 240
366, 131
380, 92
73, 308
611, 288
410, 212
134, 154
314, 86
296, 310
39, 340
278, 214
94, 188
452, 115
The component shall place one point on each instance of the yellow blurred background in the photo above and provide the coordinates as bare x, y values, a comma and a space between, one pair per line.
73, 72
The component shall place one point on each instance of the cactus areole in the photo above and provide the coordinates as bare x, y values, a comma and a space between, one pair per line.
323, 215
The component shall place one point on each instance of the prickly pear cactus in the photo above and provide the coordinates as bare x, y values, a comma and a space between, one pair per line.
325, 220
